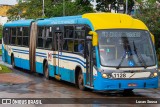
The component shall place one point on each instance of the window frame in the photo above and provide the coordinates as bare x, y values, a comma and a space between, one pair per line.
15, 36
24, 36
44, 41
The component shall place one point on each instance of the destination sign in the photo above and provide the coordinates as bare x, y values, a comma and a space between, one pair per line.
121, 34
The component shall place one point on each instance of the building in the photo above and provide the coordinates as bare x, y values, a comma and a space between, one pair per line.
3, 13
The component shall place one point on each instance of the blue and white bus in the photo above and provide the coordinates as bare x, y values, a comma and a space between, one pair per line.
100, 51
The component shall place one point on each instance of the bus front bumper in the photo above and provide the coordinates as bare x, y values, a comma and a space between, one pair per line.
103, 84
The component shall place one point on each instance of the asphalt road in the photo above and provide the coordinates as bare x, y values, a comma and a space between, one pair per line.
36, 86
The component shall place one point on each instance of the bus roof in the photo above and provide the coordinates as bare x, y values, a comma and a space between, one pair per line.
64, 20
113, 20
18, 23
96, 21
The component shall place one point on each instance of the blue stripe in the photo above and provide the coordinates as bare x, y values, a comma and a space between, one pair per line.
69, 57
28, 51
41, 53
72, 61
42, 56
20, 52
63, 57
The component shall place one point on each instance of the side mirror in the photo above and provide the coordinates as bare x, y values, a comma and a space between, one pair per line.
94, 38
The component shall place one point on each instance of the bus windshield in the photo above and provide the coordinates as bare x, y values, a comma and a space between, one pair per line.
126, 48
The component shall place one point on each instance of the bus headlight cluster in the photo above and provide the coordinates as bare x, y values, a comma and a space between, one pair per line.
154, 74
106, 75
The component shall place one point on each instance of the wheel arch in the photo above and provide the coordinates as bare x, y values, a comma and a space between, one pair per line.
12, 56
44, 62
78, 68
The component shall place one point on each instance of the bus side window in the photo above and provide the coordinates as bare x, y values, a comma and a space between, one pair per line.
6, 35
48, 44
13, 36
19, 35
25, 36
40, 36
68, 43
68, 32
79, 39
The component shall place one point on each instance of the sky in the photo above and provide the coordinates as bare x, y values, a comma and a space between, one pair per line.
8, 2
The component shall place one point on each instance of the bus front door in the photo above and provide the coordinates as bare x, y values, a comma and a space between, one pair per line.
58, 37
89, 63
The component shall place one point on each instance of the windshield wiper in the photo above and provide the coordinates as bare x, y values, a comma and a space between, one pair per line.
121, 61
140, 58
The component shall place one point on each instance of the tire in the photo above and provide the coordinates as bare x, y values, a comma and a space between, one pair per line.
80, 81
13, 63
46, 71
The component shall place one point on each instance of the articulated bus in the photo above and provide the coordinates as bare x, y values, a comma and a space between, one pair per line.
100, 51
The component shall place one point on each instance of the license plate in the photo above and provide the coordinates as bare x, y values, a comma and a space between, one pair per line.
119, 75
131, 75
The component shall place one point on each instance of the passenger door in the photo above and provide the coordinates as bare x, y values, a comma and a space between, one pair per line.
89, 61
58, 35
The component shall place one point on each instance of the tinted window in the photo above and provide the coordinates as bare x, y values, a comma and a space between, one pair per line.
69, 32
48, 41
25, 36
13, 36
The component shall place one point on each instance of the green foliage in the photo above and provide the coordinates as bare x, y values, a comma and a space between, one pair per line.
53, 8
150, 15
16, 12
103, 5
5, 69
130, 6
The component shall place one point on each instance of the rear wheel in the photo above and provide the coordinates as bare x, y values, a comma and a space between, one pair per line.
46, 71
13, 64
80, 81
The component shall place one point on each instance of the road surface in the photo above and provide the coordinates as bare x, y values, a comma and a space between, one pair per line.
31, 85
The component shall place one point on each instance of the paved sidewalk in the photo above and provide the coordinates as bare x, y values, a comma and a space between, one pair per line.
12, 78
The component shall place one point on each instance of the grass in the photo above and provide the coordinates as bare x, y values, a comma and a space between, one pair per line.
5, 69
0, 52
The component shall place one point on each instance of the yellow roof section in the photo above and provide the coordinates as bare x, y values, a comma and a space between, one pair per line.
4, 9
113, 20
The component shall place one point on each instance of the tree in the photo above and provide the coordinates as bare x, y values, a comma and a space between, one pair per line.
150, 15
53, 8
16, 12
130, 6
103, 5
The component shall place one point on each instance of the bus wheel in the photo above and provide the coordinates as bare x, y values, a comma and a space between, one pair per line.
80, 81
13, 64
46, 71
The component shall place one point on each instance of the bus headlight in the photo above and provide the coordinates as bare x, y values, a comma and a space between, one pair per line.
155, 74
106, 75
